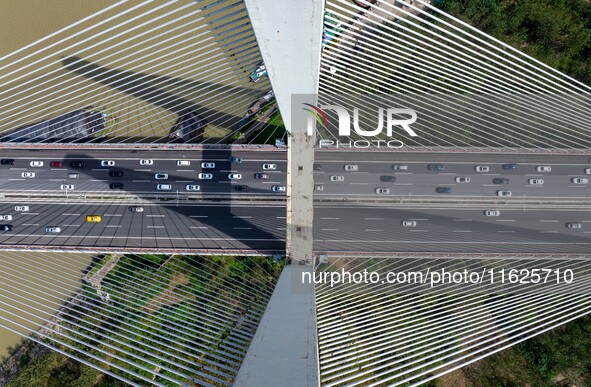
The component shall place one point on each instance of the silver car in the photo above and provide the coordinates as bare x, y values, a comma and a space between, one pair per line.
5, 217
382, 190
318, 187
351, 168
205, 176
53, 229
36, 164
146, 162
21, 208
208, 165
234, 176
492, 213
503, 193
535, 181
337, 178
161, 176
409, 223
462, 179
278, 188
579, 180
66, 187
482, 168
28, 175
107, 163
543, 168
269, 167
192, 187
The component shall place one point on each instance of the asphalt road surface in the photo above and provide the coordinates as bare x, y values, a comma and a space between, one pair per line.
337, 228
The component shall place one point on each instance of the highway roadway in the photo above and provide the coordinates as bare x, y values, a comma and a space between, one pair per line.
416, 181
337, 228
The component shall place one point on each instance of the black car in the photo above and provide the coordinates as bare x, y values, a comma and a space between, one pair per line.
77, 164
241, 188
317, 167
7, 162
435, 167
6, 227
261, 176
443, 189
500, 180
116, 173
511, 166
388, 178
116, 185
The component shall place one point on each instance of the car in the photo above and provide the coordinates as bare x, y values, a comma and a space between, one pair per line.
36, 164
337, 178
234, 176
53, 229
188, 126
207, 165
365, 3
107, 163
116, 173
66, 187
28, 175
5, 217
183, 163
503, 193
492, 213
482, 168
77, 164
409, 223
21, 208
93, 218
164, 187
331, 27
7, 162
500, 180
443, 190
136, 208
257, 106
382, 190
573, 225
205, 176
193, 187
398, 167
462, 179
579, 180
259, 72
269, 167
116, 186
318, 187
351, 167
535, 181
241, 188
587, 171
261, 176
511, 166
317, 167
146, 162
161, 176
435, 167
234, 159
6, 227
56, 164
388, 178
543, 168
278, 188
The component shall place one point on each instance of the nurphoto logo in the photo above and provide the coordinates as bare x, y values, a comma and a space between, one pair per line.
344, 125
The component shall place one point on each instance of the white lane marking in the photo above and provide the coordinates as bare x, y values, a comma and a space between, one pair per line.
155, 226
360, 183
30, 224
461, 220
373, 218
183, 181
201, 227
549, 232
198, 216
242, 217
547, 220
374, 229
112, 226
281, 228
330, 218
505, 220
418, 219
114, 215
403, 184
71, 225
15, 179
329, 229
57, 179
156, 216
70, 214
185, 170
143, 170
98, 180
284, 217
242, 228
30, 213
417, 230
100, 169
462, 230
141, 181
505, 231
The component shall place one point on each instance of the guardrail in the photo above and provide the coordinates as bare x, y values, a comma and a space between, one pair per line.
142, 250
107, 146
442, 149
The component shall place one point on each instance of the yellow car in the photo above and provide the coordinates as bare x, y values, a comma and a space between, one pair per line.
93, 218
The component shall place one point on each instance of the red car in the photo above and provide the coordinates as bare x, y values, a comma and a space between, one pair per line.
56, 164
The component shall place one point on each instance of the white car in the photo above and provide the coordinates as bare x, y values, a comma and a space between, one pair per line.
36, 163
21, 208
193, 187
579, 180
5, 217
161, 176
318, 187
535, 181
503, 193
382, 190
28, 175
207, 165
462, 179
587, 171
164, 187
492, 213
66, 187
53, 230
183, 163
482, 168
351, 167
409, 223
269, 167
573, 226
543, 168
337, 178
234, 176
146, 162
205, 176
107, 163
278, 188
